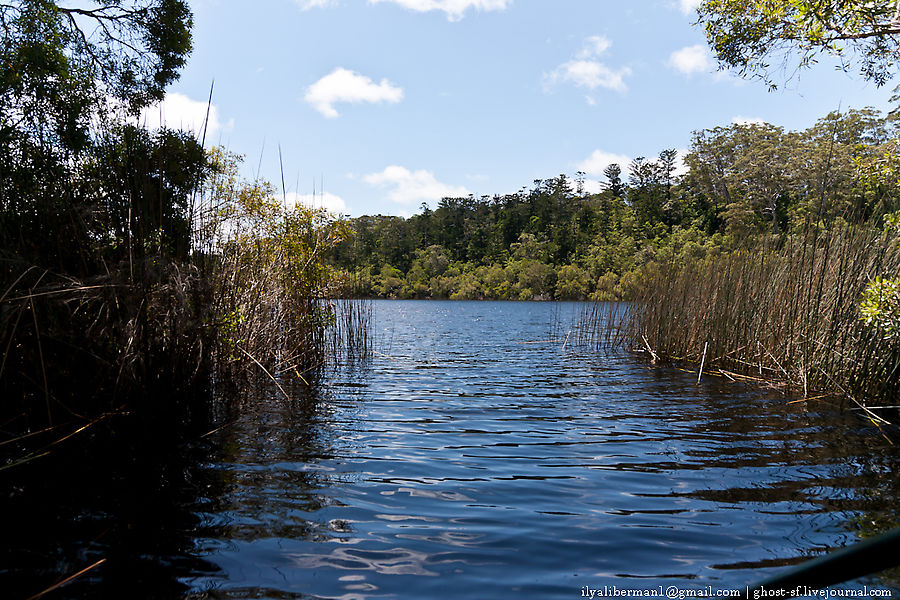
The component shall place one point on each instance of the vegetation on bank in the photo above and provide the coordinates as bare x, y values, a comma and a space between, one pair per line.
817, 303
773, 252
786, 311
137, 269
557, 241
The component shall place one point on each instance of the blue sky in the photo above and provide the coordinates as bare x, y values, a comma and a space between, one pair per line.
391, 103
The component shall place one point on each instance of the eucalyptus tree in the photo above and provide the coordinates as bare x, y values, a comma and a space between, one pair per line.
834, 155
760, 38
745, 171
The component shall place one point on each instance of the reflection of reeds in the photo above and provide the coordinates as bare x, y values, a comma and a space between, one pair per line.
785, 313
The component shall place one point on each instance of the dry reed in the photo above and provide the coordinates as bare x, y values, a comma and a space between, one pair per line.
271, 304
250, 301
785, 312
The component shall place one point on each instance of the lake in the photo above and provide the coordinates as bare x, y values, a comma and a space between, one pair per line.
484, 451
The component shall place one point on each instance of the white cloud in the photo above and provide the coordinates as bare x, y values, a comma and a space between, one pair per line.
454, 9
593, 186
591, 74
691, 59
587, 71
308, 4
177, 111
343, 85
413, 187
686, 6
595, 45
600, 159
748, 120
330, 202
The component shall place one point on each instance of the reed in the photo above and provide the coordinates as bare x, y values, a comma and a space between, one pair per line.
272, 306
599, 325
151, 331
784, 311
349, 338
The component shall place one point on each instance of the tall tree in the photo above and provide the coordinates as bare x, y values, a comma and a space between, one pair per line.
646, 192
761, 37
613, 174
67, 75
746, 170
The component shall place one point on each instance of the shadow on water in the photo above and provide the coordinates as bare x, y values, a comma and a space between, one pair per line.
145, 498
478, 454
126, 506
123, 495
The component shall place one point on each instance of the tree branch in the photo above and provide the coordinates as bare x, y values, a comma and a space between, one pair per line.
892, 28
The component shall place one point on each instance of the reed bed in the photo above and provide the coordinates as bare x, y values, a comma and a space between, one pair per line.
161, 334
349, 338
272, 302
784, 312
599, 325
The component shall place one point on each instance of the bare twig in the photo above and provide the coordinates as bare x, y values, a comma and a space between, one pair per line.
67, 580
266, 371
702, 362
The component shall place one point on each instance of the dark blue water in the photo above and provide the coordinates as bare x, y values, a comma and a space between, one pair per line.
482, 454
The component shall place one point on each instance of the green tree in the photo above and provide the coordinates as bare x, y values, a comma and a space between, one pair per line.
67, 75
877, 182
128, 50
760, 37
747, 172
613, 174
572, 283
647, 193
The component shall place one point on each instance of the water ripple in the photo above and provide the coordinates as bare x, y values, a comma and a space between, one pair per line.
465, 463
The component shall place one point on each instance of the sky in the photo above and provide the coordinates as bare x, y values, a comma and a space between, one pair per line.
378, 106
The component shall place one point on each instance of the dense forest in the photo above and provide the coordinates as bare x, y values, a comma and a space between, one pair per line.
553, 240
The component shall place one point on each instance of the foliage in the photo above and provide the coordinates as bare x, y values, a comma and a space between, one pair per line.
95, 214
880, 306
572, 283
135, 269
75, 175
760, 37
554, 241
270, 280
55, 57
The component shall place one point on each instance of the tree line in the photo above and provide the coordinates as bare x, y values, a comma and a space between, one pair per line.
554, 240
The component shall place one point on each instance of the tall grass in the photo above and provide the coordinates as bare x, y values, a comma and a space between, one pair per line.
154, 331
266, 265
350, 337
784, 311
599, 324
